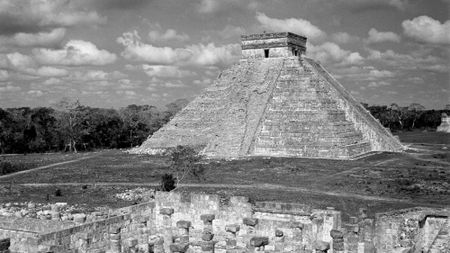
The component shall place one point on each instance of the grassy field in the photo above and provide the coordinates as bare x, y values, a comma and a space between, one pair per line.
420, 176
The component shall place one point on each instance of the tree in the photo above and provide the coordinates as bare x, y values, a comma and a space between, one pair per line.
415, 111
185, 162
398, 114
69, 118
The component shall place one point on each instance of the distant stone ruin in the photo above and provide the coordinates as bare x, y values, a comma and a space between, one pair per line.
445, 124
274, 102
188, 222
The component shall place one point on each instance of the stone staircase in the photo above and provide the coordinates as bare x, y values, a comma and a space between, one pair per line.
197, 123
303, 120
246, 106
442, 242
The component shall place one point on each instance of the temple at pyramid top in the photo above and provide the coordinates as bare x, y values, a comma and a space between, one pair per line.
268, 45
274, 102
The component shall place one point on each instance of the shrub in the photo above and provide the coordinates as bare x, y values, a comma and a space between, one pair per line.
186, 161
58, 193
167, 183
8, 167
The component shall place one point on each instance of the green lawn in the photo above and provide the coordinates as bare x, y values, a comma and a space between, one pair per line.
421, 175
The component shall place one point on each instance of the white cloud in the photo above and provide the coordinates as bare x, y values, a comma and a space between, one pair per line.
95, 75
410, 62
46, 13
35, 93
168, 35
398, 4
213, 6
330, 52
174, 84
27, 65
375, 84
203, 82
295, 25
9, 88
375, 73
376, 36
75, 52
138, 51
211, 54
198, 54
51, 71
165, 71
427, 30
4, 75
231, 31
343, 38
35, 39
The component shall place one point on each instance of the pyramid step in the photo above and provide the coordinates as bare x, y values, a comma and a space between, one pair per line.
316, 151
442, 241
316, 115
307, 126
293, 141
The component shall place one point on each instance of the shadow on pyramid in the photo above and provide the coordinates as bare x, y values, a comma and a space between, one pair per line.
274, 102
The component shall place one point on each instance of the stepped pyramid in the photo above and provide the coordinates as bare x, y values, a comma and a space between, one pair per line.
274, 102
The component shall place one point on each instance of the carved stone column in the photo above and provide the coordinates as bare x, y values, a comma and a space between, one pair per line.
167, 227
338, 241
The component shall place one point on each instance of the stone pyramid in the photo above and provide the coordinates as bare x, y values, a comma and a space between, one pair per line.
274, 102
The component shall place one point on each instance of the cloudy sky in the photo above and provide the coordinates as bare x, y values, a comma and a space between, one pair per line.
111, 53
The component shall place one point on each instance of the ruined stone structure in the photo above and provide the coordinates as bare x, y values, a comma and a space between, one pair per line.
274, 102
176, 222
445, 124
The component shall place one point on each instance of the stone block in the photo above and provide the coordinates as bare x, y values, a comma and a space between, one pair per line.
207, 246
334, 233
179, 247
131, 242
183, 224
259, 241
322, 246
297, 225
207, 236
279, 233
233, 228
207, 218
166, 211
79, 217
250, 221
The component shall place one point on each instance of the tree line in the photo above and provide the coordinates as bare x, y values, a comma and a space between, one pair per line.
407, 118
71, 126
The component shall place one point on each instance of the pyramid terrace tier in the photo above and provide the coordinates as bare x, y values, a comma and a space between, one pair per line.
279, 106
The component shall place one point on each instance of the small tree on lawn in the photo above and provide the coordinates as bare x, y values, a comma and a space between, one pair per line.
185, 162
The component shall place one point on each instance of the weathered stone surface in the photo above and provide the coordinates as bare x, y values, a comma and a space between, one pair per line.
445, 124
207, 218
279, 233
207, 236
322, 246
334, 233
286, 105
183, 224
233, 228
166, 211
179, 247
250, 221
259, 241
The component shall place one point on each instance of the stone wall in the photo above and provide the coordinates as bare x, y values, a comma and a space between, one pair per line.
277, 44
183, 222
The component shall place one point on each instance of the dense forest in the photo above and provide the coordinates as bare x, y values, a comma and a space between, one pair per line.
71, 126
